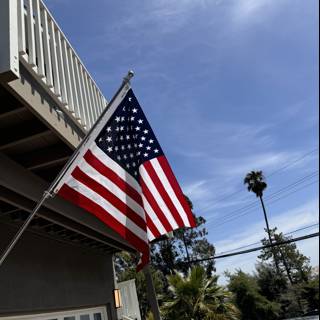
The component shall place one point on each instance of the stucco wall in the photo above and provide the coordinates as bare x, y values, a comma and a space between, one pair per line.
42, 274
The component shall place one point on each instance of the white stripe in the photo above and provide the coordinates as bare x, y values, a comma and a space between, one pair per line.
107, 206
156, 221
166, 184
113, 188
110, 163
150, 235
154, 191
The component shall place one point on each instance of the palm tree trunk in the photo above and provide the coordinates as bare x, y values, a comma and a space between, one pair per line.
269, 234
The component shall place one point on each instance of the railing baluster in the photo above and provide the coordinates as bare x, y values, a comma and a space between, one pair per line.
97, 109
39, 43
101, 101
95, 114
81, 104
86, 110
31, 40
22, 30
74, 85
47, 54
67, 76
64, 97
87, 82
53, 47
93, 101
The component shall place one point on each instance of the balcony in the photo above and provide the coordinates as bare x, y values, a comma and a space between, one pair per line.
33, 40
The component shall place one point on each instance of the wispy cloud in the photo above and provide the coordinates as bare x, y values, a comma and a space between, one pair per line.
288, 221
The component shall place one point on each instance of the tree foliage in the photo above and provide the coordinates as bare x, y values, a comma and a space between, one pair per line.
252, 304
255, 182
198, 297
291, 262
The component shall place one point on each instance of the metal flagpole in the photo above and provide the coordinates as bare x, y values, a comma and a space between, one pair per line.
151, 293
48, 192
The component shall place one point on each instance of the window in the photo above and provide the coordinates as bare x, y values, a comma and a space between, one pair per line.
81, 314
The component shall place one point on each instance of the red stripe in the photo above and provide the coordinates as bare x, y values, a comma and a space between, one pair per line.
82, 201
163, 193
152, 226
92, 184
176, 188
154, 205
112, 176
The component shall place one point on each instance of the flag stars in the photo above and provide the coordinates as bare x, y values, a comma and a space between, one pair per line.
109, 129
109, 139
145, 154
145, 131
121, 128
156, 151
109, 149
151, 141
134, 110
148, 148
140, 145
143, 138
140, 121
137, 128
118, 119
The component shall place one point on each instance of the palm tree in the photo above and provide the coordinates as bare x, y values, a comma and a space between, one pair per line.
196, 297
255, 182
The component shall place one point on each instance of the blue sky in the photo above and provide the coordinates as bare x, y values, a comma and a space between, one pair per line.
228, 86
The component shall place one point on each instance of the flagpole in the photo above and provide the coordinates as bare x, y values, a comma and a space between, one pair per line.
151, 293
49, 192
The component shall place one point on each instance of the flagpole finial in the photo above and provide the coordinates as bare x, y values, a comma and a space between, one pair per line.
128, 77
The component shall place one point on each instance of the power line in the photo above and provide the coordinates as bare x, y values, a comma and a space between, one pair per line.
268, 202
272, 173
308, 236
255, 243
271, 196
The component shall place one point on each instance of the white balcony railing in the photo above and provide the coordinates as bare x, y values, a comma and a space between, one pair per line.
48, 55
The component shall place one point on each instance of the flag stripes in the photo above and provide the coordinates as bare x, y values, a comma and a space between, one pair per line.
77, 197
128, 184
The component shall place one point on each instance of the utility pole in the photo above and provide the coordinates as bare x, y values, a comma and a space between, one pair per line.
269, 234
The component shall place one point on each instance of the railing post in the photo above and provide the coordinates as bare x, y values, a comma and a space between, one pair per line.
9, 52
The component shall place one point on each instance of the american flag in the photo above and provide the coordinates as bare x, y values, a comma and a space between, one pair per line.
122, 176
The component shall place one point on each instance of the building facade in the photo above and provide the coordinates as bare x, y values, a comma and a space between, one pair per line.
62, 267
